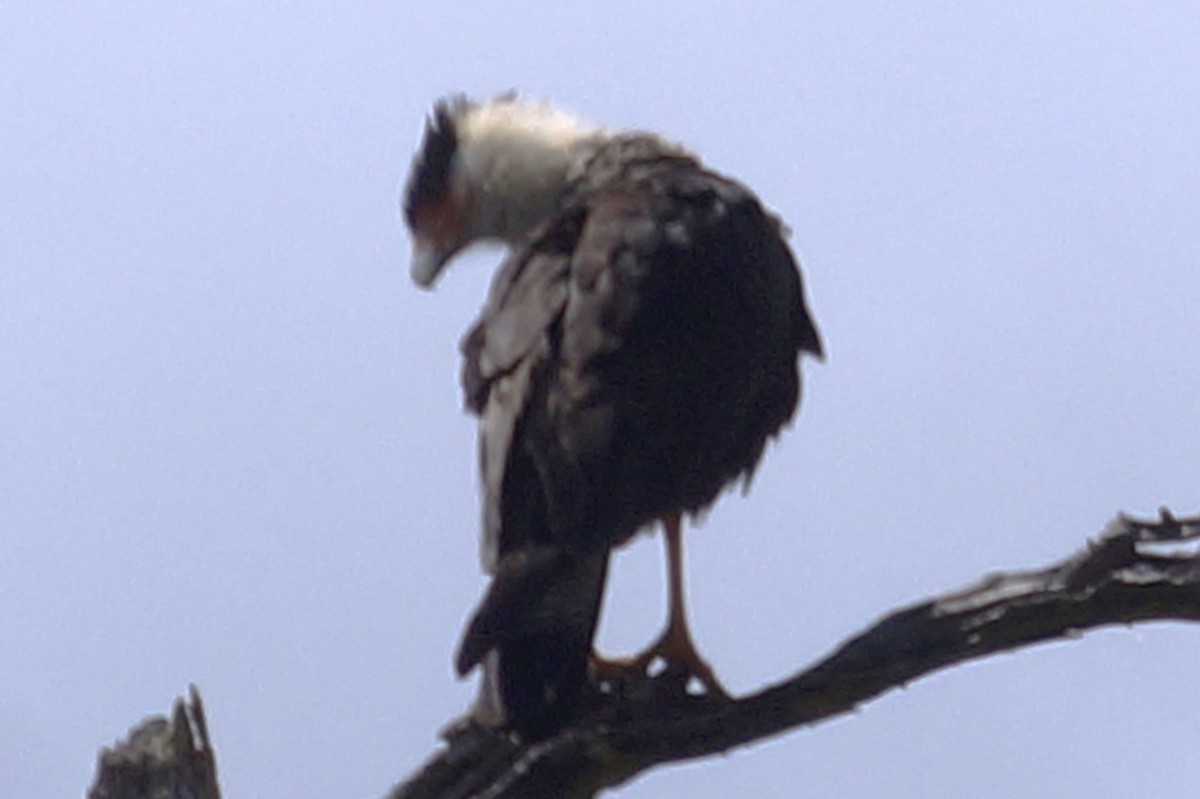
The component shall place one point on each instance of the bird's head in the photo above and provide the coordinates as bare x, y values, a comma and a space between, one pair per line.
488, 171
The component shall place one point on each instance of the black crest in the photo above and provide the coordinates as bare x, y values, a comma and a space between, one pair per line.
430, 173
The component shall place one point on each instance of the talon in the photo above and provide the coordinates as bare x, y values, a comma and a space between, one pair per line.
615, 670
676, 649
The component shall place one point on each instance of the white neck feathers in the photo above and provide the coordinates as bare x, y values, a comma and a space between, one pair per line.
517, 158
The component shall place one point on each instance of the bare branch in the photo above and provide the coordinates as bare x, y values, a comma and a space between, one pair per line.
1136, 571
1130, 574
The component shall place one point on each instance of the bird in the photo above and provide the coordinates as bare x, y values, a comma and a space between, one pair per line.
638, 349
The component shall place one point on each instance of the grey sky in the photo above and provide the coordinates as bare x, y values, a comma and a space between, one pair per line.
231, 444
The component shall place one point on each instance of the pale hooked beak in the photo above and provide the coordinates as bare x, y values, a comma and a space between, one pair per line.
425, 267
427, 263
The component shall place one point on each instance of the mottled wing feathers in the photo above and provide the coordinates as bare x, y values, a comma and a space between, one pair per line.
526, 298
503, 354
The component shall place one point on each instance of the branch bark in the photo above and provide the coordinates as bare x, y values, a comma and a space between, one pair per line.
1129, 575
1136, 571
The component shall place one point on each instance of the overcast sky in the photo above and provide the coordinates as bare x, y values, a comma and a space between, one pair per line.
232, 450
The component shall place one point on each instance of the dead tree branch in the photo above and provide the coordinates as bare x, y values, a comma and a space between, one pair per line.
1130, 574
1136, 571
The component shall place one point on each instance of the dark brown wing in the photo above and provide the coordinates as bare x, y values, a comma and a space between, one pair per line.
533, 630
510, 347
631, 362
677, 353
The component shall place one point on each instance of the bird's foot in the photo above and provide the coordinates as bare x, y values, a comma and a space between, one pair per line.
672, 657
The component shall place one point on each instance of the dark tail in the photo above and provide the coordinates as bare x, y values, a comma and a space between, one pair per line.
538, 618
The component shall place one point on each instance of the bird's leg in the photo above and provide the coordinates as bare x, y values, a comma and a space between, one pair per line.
675, 646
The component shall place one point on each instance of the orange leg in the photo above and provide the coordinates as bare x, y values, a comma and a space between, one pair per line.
675, 646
